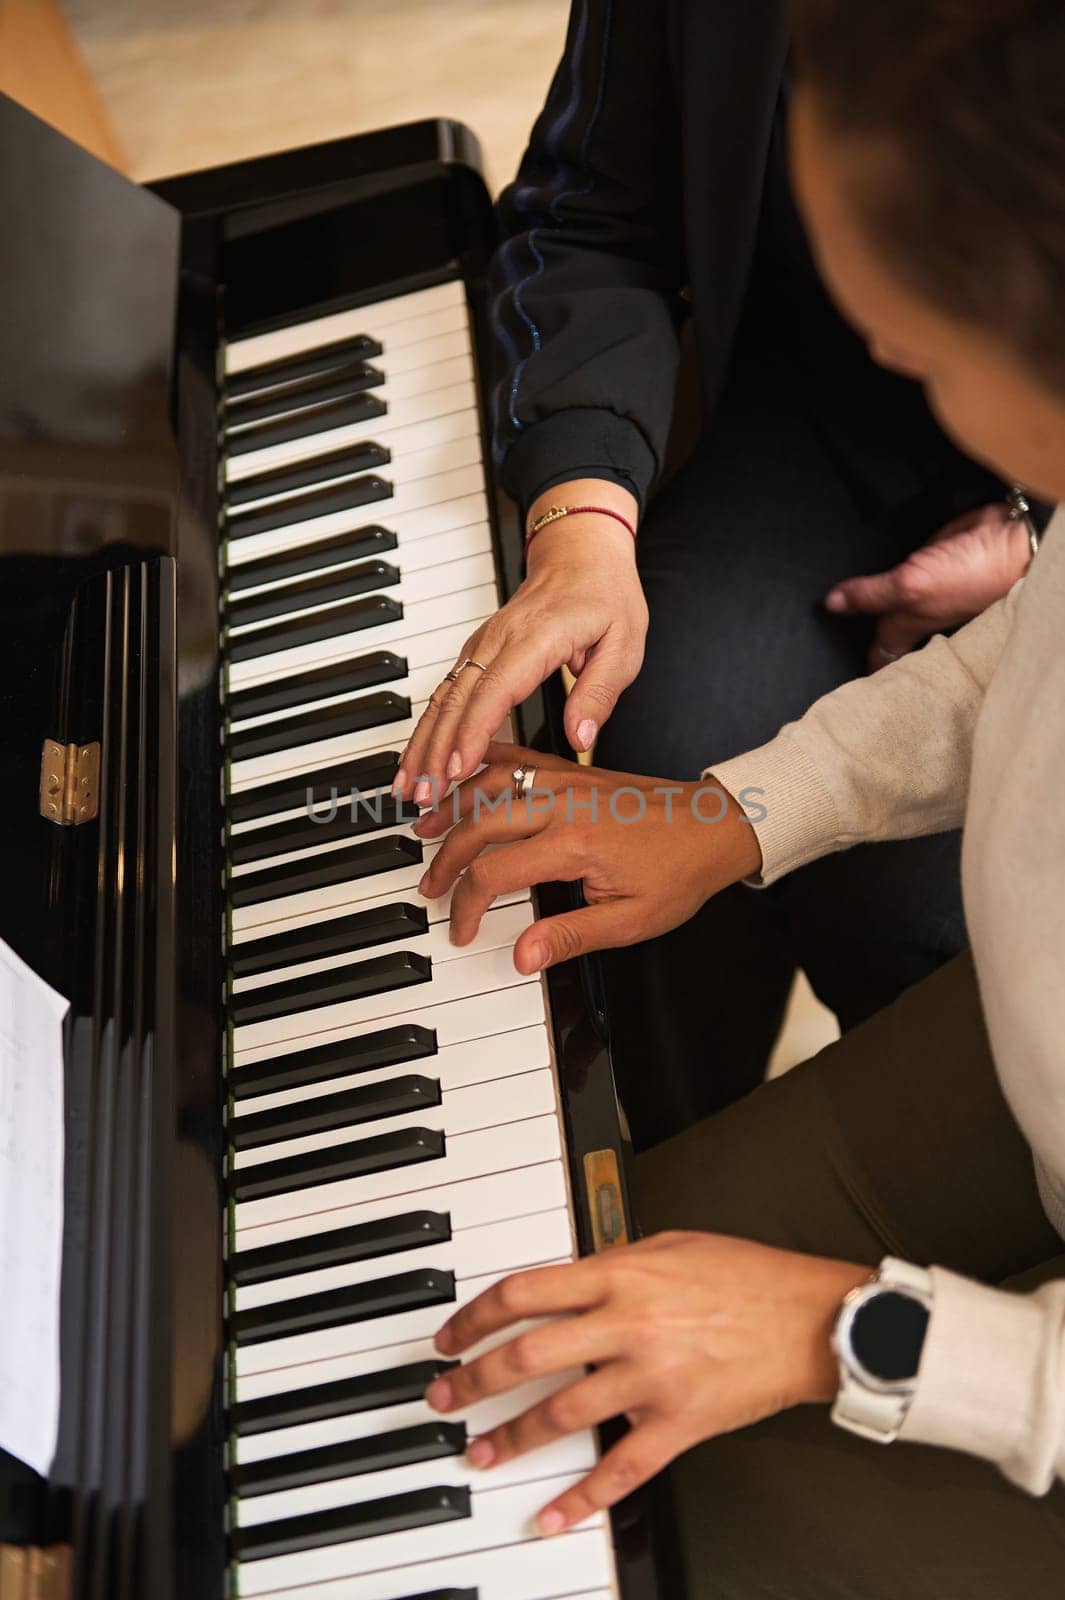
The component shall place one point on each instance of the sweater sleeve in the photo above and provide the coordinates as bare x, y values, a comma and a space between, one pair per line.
882, 757
992, 1378
585, 292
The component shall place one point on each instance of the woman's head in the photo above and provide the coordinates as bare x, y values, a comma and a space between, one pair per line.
929, 157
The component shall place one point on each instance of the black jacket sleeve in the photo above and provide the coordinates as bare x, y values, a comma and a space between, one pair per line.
585, 302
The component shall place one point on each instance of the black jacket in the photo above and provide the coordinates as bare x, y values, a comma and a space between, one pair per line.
644, 177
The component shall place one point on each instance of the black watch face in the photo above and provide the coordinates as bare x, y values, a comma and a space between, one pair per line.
887, 1334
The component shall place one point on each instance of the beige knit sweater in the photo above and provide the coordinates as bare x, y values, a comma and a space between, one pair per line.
968, 730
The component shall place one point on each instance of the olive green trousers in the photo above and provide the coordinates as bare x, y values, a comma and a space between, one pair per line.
894, 1141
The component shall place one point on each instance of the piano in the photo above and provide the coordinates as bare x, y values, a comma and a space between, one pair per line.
247, 519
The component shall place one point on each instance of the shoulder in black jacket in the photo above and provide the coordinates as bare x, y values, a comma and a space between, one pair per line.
643, 177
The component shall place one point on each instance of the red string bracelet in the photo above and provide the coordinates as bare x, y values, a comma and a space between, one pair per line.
556, 513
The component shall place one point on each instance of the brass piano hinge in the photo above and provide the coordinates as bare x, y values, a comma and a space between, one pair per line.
36, 1572
70, 782
605, 1206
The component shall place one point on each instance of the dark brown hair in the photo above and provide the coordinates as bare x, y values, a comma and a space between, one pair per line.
968, 96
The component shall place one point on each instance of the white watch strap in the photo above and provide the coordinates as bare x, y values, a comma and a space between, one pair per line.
871, 1413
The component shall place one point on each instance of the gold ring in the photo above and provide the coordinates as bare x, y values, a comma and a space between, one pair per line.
470, 662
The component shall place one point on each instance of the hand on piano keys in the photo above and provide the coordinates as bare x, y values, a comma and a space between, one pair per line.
689, 1335
649, 852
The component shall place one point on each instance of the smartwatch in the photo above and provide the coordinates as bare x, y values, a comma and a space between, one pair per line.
877, 1339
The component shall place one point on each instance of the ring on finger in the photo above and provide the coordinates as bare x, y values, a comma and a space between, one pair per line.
523, 778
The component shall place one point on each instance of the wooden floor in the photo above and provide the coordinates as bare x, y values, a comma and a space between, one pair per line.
192, 83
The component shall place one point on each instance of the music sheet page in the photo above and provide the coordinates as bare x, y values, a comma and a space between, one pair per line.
31, 1209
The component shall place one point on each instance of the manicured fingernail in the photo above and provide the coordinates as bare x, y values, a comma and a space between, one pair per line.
586, 732
835, 600
423, 793
399, 783
551, 1521
438, 1394
454, 764
481, 1453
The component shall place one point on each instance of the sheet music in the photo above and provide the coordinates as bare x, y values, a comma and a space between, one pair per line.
31, 1209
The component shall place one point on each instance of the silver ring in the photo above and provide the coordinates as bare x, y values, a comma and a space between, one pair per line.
523, 778
888, 655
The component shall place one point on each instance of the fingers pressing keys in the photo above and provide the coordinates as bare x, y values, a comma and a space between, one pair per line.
394, 1134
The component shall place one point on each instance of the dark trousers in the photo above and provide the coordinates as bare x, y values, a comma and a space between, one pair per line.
894, 1141
818, 467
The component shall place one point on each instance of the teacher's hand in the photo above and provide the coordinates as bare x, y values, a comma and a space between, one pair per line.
690, 1334
580, 606
649, 852
970, 564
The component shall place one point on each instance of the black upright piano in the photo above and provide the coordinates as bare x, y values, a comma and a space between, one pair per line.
247, 518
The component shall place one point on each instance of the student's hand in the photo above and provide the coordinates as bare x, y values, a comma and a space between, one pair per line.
649, 852
971, 563
581, 606
690, 1335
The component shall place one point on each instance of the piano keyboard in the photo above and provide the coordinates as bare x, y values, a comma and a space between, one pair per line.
394, 1128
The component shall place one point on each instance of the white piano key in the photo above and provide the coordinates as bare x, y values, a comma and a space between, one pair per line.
470, 1202
471, 607
418, 683
498, 930
492, 972
448, 483
409, 527
499, 1517
379, 1333
533, 1569
574, 1452
464, 450
414, 588
492, 1247
468, 1155
411, 398
496, 1103
486, 1414
380, 320
460, 544
458, 1067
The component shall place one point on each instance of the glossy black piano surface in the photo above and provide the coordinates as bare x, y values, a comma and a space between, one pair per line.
114, 303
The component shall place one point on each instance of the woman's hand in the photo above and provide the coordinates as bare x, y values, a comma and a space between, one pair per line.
970, 564
649, 852
690, 1335
580, 606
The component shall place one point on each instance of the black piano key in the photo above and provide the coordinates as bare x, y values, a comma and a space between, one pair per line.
336, 1308
308, 364
365, 860
328, 623
344, 1397
384, 1047
312, 420
309, 791
326, 722
280, 401
399, 969
337, 1247
364, 577
396, 1513
304, 688
402, 1447
329, 1112
342, 547
382, 1153
447, 1594
363, 490
381, 925
345, 820
296, 475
